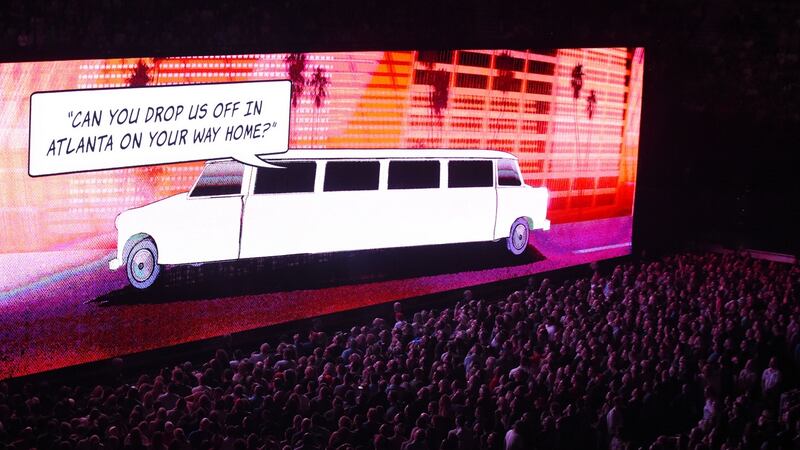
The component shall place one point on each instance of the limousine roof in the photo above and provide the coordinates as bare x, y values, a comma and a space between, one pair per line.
387, 153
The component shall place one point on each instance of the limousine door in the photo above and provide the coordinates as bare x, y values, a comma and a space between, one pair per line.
205, 226
414, 203
513, 198
351, 207
281, 215
470, 204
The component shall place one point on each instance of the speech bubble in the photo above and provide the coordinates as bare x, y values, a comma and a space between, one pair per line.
99, 129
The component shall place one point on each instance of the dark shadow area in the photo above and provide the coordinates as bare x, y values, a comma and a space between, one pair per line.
296, 272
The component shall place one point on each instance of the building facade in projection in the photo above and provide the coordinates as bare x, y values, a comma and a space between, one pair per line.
570, 115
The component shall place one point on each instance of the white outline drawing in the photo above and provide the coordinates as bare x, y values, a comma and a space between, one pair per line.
341, 200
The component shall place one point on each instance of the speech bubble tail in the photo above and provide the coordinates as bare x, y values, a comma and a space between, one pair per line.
253, 160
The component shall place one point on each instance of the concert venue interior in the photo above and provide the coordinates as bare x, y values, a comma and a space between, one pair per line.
502, 226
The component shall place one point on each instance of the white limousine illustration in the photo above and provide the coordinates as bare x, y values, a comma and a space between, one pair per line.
318, 201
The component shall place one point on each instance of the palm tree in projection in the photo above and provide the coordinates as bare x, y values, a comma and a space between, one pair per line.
140, 75
296, 67
318, 83
577, 85
149, 179
591, 104
591, 107
505, 83
577, 81
439, 97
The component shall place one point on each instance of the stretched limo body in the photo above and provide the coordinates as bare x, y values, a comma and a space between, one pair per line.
317, 201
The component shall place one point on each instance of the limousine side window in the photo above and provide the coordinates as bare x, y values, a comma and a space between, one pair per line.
352, 175
463, 174
293, 177
220, 178
413, 174
507, 174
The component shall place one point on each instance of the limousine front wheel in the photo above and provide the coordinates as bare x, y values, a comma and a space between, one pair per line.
518, 238
142, 264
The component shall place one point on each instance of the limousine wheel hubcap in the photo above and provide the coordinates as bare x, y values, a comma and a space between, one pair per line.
520, 236
143, 264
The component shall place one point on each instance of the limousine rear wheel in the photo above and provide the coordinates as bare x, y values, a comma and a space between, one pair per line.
518, 237
142, 264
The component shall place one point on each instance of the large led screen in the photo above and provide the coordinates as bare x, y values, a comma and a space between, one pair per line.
407, 173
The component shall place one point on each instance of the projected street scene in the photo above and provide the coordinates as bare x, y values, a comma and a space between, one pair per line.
372, 177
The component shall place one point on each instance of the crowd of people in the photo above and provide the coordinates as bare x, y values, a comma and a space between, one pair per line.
692, 351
